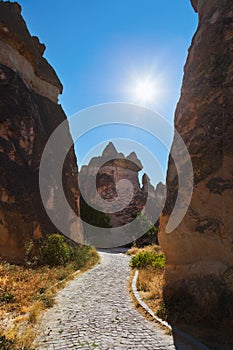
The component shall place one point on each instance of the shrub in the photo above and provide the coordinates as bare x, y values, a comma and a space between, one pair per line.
55, 251
159, 261
80, 256
148, 259
93, 216
31, 254
144, 225
150, 237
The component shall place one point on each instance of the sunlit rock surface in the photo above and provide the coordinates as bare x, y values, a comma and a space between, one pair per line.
29, 113
201, 247
112, 180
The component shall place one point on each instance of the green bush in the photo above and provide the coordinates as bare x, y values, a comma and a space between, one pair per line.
80, 256
55, 251
94, 217
159, 261
148, 259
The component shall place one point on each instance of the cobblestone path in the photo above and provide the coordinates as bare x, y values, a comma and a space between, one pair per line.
94, 311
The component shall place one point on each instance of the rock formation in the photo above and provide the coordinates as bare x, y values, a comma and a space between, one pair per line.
29, 113
106, 172
199, 250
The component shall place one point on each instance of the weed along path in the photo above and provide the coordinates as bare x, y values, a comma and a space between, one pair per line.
94, 311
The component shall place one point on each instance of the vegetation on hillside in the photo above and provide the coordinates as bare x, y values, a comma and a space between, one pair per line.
94, 217
143, 224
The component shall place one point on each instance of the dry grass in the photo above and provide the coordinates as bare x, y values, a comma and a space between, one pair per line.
26, 292
153, 300
150, 248
150, 286
150, 281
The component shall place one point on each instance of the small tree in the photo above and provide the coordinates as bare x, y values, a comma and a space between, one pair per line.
55, 251
151, 231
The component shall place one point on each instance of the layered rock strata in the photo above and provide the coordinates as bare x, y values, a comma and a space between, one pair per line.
29, 113
199, 250
116, 179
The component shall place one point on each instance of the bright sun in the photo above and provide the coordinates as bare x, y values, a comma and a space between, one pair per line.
144, 90
147, 89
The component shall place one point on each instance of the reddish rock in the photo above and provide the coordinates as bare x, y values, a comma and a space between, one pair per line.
29, 113
200, 248
107, 171
22, 52
194, 4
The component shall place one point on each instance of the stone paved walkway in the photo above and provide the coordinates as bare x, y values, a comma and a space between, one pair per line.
94, 311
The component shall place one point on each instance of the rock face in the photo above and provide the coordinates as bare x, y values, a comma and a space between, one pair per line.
200, 248
29, 113
115, 177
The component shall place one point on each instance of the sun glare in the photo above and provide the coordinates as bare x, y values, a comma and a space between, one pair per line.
144, 91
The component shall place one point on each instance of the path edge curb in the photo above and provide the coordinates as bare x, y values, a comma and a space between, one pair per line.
159, 320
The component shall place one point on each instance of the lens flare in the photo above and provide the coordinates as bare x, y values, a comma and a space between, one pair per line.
144, 90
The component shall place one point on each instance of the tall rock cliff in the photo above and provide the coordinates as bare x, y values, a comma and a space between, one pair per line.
200, 249
29, 113
106, 172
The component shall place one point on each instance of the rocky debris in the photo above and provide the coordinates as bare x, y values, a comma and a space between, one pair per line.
116, 179
200, 248
28, 116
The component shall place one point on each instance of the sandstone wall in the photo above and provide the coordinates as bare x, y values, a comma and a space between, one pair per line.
22, 52
29, 113
106, 172
201, 247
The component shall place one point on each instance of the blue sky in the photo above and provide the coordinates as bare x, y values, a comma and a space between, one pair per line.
100, 48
